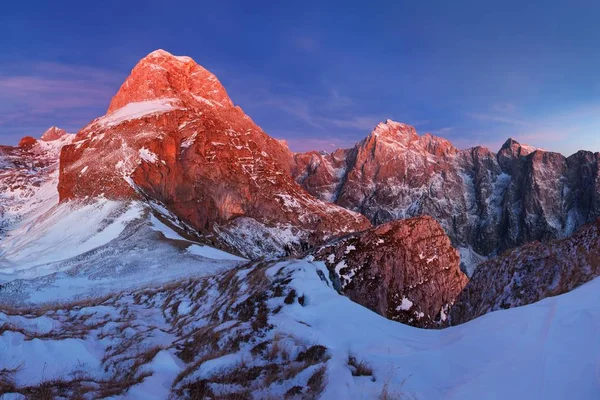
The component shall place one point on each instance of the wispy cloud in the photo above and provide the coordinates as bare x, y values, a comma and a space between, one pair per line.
318, 144
575, 128
442, 131
363, 123
323, 119
499, 118
35, 96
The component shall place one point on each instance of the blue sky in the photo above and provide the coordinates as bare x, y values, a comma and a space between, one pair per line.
322, 75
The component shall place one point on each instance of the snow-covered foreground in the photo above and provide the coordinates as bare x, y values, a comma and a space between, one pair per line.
268, 329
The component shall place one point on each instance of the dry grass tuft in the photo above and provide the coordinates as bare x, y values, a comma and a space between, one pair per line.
316, 383
291, 297
313, 355
359, 367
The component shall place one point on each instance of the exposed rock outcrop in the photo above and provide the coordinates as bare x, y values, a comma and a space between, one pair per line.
27, 142
405, 270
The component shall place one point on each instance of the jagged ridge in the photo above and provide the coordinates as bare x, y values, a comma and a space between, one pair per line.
486, 202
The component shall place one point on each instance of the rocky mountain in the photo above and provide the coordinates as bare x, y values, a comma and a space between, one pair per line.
487, 202
174, 155
173, 149
531, 273
173, 136
405, 270
109, 289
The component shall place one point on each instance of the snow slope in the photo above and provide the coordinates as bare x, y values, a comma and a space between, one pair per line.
547, 350
77, 249
64, 231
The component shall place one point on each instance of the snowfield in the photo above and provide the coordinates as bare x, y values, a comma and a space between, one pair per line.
64, 231
137, 110
75, 250
267, 329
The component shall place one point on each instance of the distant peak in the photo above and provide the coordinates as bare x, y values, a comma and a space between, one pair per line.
390, 127
53, 133
395, 124
509, 143
517, 148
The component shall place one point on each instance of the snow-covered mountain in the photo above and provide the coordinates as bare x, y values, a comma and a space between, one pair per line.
172, 134
172, 150
487, 202
172, 249
60, 251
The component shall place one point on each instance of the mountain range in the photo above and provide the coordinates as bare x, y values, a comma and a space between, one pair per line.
177, 201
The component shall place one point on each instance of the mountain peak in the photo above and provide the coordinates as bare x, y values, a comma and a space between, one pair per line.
163, 54
391, 128
162, 75
517, 148
509, 143
53, 133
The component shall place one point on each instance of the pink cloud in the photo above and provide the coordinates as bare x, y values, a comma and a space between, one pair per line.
54, 94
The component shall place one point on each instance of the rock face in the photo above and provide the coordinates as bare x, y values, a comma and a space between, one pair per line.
486, 202
531, 273
173, 136
405, 270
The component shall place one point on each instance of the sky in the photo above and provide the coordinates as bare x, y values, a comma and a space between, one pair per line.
322, 74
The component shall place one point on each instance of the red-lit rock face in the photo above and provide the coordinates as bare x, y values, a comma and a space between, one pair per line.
173, 135
404, 270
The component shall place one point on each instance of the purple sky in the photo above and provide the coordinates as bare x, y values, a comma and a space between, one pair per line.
322, 75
